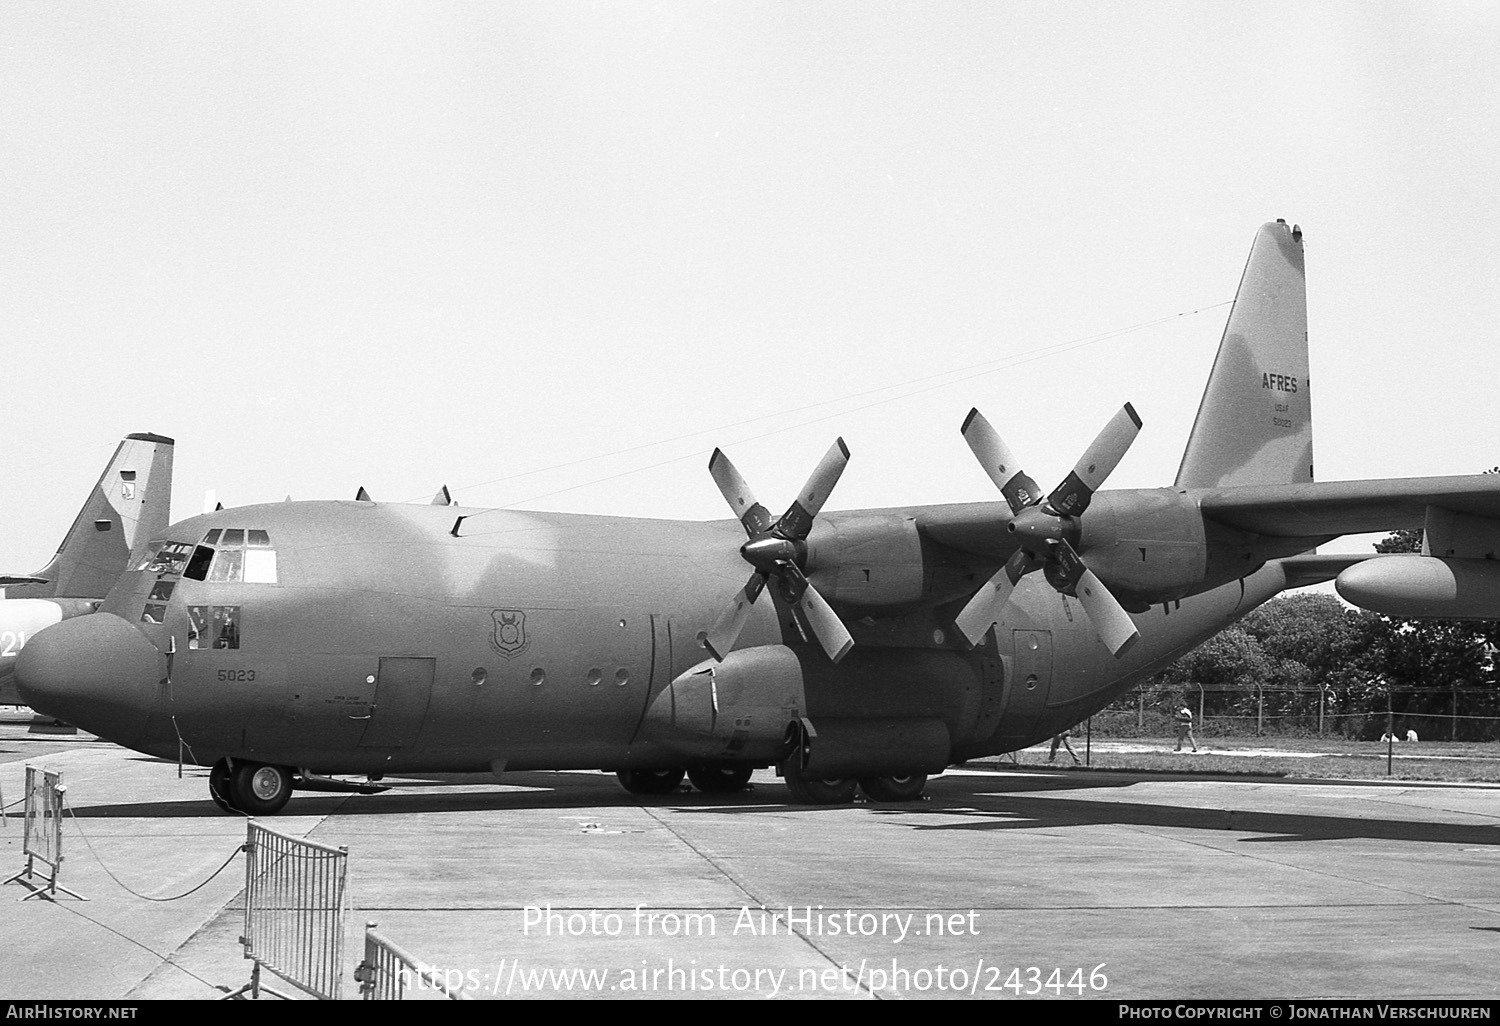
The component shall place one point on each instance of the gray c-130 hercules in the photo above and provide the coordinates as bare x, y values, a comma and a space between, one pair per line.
285, 644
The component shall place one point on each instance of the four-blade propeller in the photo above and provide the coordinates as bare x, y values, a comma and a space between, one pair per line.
1048, 527
777, 549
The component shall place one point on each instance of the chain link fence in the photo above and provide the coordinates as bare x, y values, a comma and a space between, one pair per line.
1433, 714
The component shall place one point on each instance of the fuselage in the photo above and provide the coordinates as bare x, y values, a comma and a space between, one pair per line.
356, 637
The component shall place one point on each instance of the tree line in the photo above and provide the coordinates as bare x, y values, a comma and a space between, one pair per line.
1310, 663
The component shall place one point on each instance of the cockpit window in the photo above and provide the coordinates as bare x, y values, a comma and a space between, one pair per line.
197, 568
241, 556
229, 565
213, 627
226, 626
165, 558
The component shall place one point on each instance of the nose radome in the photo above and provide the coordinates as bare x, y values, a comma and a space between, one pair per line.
95, 671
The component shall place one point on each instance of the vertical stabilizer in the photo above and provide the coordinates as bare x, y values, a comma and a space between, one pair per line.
1254, 424
130, 504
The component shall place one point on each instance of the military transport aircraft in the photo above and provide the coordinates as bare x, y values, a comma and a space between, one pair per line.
284, 644
127, 508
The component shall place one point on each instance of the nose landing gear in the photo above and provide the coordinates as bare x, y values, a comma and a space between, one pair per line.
252, 788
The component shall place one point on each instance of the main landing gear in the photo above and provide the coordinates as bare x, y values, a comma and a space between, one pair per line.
252, 788
812, 790
806, 789
720, 779
650, 781
725, 778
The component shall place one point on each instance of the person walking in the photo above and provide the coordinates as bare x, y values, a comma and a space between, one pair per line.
1061, 740
1184, 718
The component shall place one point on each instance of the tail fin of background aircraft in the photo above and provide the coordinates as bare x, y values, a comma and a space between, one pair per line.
130, 504
1254, 424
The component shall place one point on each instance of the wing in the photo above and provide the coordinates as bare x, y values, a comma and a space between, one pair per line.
1350, 507
1155, 545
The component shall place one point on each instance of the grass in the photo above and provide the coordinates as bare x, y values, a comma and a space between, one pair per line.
1309, 758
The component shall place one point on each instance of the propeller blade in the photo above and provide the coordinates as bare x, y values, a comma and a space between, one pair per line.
775, 549
796, 522
1073, 496
1104, 611
755, 517
825, 623
1109, 618
999, 463
726, 629
983, 610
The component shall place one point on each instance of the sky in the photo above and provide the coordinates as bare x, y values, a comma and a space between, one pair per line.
551, 255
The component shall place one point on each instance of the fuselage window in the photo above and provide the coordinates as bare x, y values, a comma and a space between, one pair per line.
161, 591
212, 537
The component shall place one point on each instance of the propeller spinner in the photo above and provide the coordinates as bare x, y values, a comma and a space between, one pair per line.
1047, 529
777, 549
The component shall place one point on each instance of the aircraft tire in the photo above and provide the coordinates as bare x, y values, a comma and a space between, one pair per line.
720, 779
260, 789
219, 788
650, 781
817, 791
901, 787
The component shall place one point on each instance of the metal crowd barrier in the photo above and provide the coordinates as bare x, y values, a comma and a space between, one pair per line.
295, 911
42, 834
387, 971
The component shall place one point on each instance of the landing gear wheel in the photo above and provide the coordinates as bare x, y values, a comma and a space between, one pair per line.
720, 779
219, 786
259, 789
650, 781
906, 787
819, 791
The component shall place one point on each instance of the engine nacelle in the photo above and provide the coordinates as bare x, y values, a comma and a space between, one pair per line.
869, 561
1410, 585
738, 709
1145, 542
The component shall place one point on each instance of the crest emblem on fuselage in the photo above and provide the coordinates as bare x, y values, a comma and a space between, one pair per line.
509, 636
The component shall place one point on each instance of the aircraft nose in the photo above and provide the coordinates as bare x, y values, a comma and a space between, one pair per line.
95, 671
